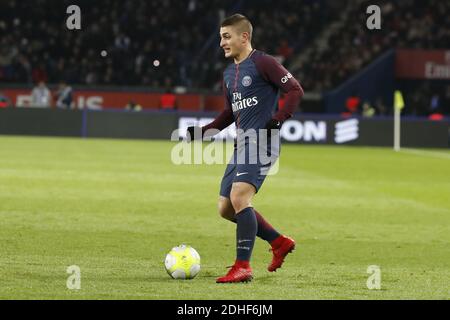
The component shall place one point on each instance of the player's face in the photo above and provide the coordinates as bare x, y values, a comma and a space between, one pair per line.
231, 42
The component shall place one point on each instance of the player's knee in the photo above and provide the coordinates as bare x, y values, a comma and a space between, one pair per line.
239, 202
241, 196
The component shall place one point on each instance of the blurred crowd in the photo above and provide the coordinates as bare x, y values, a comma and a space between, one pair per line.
138, 42
428, 98
36, 45
422, 99
405, 24
167, 43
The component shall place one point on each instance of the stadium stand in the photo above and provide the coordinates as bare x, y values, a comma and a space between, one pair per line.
323, 42
350, 47
180, 34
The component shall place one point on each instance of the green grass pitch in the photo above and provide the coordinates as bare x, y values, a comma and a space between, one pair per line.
116, 207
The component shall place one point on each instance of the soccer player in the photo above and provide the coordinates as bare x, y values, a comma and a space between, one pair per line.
251, 88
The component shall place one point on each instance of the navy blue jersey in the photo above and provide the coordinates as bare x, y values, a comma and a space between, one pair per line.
251, 89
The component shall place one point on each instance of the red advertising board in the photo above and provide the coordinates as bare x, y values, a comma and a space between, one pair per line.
422, 64
119, 99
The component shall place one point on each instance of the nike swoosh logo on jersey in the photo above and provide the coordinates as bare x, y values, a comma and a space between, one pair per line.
241, 173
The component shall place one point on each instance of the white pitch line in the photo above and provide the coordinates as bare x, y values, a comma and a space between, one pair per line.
433, 154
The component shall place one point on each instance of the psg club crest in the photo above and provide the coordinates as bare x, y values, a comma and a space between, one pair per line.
246, 81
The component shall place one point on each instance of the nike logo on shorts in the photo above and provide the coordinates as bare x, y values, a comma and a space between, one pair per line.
241, 173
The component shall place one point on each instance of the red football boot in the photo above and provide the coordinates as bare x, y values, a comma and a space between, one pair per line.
239, 272
281, 246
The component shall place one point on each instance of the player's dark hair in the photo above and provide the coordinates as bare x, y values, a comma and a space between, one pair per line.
240, 21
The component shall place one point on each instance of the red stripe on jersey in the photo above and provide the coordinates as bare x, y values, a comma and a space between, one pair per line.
236, 78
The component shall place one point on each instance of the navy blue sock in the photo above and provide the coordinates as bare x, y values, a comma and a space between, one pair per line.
245, 233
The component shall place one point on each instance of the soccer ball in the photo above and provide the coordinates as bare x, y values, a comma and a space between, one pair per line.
182, 262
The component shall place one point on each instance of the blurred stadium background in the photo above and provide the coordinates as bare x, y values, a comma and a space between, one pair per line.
141, 69
150, 55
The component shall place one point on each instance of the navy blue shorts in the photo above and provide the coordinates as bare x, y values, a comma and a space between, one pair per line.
252, 172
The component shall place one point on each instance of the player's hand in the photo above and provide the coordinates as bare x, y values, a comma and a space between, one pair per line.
194, 133
272, 125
